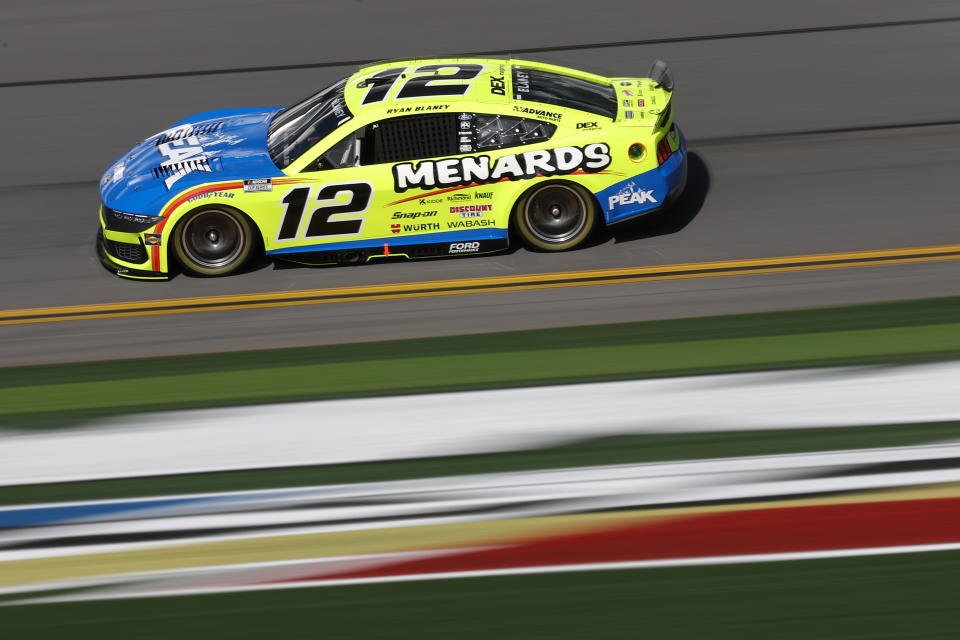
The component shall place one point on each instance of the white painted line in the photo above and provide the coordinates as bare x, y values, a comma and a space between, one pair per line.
343, 431
396, 504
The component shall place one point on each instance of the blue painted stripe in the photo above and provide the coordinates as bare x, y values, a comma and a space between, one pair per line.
63, 514
400, 241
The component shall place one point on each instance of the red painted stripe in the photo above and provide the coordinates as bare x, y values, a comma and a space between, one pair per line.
155, 258
189, 193
780, 530
433, 193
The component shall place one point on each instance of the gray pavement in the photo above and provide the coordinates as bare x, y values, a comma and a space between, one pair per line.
760, 197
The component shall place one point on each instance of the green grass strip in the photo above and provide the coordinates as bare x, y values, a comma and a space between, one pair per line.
894, 596
602, 451
63, 395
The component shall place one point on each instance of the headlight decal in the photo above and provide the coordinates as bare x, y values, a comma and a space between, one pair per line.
128, 222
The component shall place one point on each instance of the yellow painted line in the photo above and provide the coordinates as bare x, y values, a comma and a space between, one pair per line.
278, 548
483, 285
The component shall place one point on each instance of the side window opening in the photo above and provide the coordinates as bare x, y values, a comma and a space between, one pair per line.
498, 132
342, 155
429, 136
413, 138
393, 140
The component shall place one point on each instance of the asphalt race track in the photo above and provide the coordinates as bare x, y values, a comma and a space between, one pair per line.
821, 128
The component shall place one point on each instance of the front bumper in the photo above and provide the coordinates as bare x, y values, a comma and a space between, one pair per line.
107, 250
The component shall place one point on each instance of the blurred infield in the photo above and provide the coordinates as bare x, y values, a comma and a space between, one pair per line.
67, 395
895, 596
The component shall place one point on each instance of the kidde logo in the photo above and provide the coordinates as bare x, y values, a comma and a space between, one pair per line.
471, 208
464, 247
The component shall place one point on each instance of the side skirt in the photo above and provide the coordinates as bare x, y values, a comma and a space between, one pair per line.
409, 251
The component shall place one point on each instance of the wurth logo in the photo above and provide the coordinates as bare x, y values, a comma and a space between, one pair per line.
183, 156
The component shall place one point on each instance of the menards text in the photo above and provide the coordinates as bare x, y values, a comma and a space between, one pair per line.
466, 170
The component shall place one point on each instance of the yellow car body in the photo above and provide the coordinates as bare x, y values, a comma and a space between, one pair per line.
416, 158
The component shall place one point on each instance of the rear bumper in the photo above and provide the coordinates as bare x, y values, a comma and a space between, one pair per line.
646, 192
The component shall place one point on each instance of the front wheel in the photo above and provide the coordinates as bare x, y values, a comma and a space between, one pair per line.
213, 242
556, 216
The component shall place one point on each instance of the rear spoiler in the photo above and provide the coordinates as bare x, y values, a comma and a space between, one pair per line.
660, 74
663, 79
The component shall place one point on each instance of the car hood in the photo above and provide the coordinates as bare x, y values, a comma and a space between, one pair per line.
208, 147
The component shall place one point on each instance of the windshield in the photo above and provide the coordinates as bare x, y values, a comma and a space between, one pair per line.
299, 127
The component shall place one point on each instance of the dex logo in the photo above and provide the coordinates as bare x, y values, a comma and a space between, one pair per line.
497, 85
587, 125
183, 156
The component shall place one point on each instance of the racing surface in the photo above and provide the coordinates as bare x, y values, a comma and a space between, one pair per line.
818, 128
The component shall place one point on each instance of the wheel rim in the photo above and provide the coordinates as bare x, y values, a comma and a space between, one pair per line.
212, 239
556, 213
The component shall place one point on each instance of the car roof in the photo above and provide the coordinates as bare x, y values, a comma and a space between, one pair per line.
495, 75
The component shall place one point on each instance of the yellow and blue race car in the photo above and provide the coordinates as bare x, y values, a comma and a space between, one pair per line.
413, 158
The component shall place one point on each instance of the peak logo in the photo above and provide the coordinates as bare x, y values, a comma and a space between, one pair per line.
630, 195
448, 172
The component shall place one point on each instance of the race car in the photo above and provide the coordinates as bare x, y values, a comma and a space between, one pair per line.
417, 158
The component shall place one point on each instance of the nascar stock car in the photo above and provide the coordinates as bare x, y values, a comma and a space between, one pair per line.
415, 158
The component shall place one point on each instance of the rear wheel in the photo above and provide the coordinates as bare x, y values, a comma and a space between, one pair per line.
213, 242
556, 216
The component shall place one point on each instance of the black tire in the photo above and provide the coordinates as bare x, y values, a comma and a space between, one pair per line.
555, 216
214, 241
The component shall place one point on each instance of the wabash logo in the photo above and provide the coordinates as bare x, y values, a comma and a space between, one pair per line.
469, 224
464, 247
448, 172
